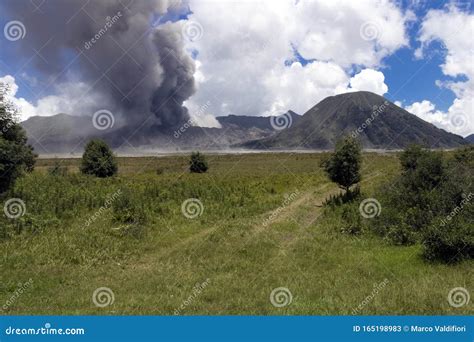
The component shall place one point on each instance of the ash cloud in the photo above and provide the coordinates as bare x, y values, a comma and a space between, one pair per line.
142, 73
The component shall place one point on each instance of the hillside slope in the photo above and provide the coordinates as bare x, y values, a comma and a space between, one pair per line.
377, 122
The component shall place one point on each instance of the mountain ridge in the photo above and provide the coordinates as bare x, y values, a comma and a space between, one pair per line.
375, 121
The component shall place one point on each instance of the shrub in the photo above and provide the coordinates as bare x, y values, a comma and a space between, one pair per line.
98, 159
343, 167
198, 163
16, 156
343, 198
401, 235
410, 157
417, 204
127, 210
450, 241
352, 219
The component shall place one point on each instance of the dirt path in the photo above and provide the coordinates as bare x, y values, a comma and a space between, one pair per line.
260, 224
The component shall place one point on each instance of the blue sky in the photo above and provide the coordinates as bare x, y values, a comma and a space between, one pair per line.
410, 79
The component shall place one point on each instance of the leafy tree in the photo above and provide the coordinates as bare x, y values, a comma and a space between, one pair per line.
198, 163
410, 157
98, 159
422, 169
16, 156
343, 166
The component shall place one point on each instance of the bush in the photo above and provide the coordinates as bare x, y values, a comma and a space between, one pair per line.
343, 167
98, 159
417, 204
127, 210
450, 241
198, 163
352, 219
343, 198
16, 156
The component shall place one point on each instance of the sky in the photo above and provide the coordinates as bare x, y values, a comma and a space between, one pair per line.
267, 57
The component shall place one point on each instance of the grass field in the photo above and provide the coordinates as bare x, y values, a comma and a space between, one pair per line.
262, 227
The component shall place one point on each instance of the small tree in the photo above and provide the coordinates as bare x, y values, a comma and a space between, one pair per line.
198, 163
98, 159
16, 156
422, 169
343, 166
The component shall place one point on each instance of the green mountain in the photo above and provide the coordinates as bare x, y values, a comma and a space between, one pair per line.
375, 121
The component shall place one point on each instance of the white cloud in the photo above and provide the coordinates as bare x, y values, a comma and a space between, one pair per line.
25, 109
369, 80
454, 120
454, 29
348, 32
71, 98
245, 45
299, 88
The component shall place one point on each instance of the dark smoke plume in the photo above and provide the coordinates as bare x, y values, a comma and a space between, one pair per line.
139, 69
